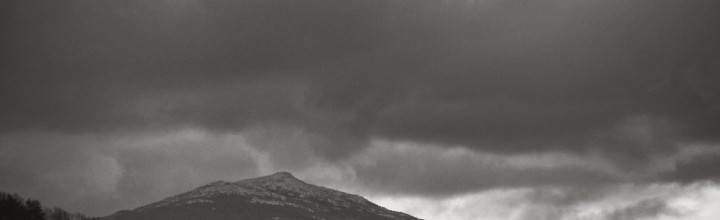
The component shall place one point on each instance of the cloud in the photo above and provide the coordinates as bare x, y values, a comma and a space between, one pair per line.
503, 76
616, 201
646, 209
101, 175
696, 168
68, 171
636, 141
467, 96
99, 56
410, 169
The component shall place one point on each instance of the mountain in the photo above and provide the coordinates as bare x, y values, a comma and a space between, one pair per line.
274, 197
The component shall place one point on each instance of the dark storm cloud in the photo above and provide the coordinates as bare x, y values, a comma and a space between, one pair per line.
62, 171
696, 168
508, 76
454, 180
69, 65
628, 79
562, 73
155, 170
436, 172
102, 174
309, 80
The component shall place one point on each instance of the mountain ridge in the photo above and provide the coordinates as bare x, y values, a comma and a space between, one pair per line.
277, 196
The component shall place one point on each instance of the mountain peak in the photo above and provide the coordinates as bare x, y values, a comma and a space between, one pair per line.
282, 175
276, 196
281, 179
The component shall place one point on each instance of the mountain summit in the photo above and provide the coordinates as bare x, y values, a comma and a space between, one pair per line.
273, 197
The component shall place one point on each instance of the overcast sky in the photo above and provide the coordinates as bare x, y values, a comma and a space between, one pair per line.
444, 109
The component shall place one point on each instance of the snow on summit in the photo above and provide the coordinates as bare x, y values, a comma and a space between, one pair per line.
276, 196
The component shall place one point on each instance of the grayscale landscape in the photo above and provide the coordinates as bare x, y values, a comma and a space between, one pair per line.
360, 109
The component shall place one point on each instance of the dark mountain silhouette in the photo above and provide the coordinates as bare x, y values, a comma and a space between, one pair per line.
277, 196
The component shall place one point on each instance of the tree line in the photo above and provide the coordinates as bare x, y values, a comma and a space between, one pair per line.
14, 207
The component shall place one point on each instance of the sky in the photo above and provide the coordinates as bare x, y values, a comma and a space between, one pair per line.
443, 109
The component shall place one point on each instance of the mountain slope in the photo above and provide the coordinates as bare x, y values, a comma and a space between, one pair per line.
277, 196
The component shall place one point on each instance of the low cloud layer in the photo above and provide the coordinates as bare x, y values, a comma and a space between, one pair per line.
431, 171
101, 175
104, 101
699, 167
614, 202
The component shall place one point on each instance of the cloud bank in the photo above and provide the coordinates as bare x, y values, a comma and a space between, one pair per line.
104, 101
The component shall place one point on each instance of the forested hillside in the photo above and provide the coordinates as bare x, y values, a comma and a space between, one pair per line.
14, 207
